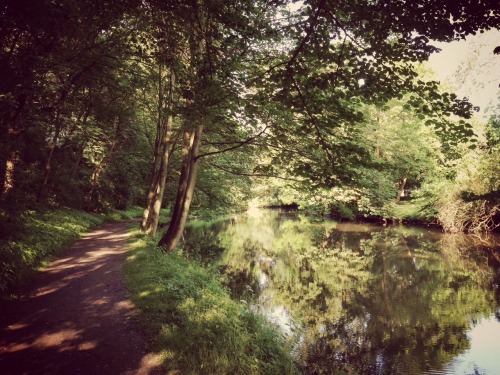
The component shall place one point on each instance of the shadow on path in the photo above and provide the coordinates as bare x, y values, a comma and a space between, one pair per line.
77, 318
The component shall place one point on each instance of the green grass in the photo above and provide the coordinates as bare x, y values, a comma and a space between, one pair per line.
414, 210
198, 328
38, 236
129, 213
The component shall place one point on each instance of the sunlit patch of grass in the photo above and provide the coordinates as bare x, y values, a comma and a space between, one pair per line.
196, 325
413, 210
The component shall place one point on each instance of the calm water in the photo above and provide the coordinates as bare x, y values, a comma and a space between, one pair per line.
359, 298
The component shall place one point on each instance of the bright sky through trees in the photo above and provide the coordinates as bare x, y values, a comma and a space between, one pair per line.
470, 68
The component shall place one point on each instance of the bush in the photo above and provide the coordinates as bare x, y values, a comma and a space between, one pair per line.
474, 216
471, 202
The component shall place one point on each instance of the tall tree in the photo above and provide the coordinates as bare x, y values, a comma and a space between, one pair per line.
219, 38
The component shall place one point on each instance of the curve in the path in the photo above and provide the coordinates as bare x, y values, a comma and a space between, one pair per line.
77, 318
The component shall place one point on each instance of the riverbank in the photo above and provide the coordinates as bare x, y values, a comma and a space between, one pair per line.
413, 212
196, 326
325, 283
38, 236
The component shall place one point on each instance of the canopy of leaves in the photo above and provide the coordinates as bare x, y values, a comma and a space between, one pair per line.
81, 101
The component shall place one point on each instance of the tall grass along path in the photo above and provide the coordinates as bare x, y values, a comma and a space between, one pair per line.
76, 318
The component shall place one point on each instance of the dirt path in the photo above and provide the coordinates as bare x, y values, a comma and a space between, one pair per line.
77, 318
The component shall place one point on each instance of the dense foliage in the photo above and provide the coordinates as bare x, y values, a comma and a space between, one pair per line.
202, 105
181, 103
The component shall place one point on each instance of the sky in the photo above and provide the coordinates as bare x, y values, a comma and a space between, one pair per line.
470, 69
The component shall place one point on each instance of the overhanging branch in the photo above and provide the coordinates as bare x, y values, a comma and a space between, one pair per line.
262, 175
238, 145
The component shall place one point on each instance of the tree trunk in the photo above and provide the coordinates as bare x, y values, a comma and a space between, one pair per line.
401, 188
10, 166
12, 154
48, 162
94, 179
192, 133
76, 167
162, 176
149, 201
57, 121
83, 120
155, 173
190, 149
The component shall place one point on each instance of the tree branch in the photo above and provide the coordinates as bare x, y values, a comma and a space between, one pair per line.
237, 173
309, 32
321, 140
238, 145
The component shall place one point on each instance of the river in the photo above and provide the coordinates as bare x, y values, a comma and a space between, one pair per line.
361, 298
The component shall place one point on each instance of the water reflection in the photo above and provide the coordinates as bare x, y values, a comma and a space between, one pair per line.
363, 299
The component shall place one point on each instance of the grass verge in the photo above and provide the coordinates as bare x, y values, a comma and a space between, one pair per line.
416, 210
197, 327
38, 236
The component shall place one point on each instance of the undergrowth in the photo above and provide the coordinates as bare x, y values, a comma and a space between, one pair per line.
41, 235
197, 327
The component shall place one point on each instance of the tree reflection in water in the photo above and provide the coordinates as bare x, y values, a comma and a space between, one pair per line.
359, 298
